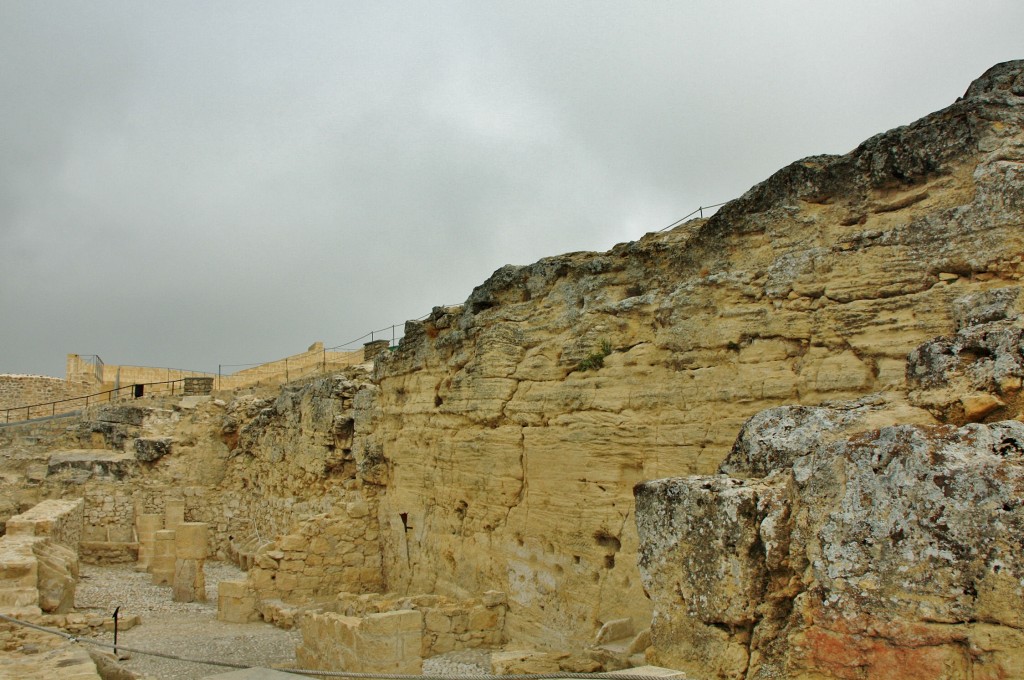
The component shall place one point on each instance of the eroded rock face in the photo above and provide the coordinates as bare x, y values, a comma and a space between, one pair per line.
509, 431
972, 376
774, 438
898, 548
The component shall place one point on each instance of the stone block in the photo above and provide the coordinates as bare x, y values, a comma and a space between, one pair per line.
163, 562
174, 512
443, 643
146, 526
357, 509
292, 542
494, 598
616, 629
189, 581
236, 602
391, 623
437, 622
481, 618
191, 540
523, 661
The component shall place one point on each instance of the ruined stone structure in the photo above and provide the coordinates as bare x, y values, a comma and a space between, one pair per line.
39, 560
870, 524
27, 390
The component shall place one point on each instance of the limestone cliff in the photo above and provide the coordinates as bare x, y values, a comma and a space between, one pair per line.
514, 427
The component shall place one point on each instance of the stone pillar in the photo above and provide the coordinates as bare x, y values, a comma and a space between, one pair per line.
146, 526
191, 549
372, 349
162, 564
174, 512
198, 386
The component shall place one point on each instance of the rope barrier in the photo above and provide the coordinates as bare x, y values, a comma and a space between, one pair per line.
100, 643
334, 674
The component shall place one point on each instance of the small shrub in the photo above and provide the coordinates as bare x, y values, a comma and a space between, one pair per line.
595, 360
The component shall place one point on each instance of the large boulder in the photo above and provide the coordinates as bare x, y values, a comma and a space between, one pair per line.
892, 553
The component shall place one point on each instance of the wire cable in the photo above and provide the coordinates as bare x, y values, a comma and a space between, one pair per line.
333, 674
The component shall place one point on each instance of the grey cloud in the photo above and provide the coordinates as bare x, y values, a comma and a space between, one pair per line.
194, 183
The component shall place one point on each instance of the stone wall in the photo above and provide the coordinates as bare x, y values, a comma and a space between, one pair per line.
448, 624
324, 556
377, 643
372, 633
39, 560
26, 390
109, 515
59, 520
315, 360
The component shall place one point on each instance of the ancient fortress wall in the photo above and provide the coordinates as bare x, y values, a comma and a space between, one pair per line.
87, 375
314, 360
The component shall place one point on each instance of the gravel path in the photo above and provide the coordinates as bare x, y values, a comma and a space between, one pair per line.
192, 630
183, 629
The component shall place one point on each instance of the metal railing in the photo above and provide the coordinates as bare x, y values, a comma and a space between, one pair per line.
303, 365
699, 212
62, 406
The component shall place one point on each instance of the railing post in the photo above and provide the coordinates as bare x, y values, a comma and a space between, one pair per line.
116, 610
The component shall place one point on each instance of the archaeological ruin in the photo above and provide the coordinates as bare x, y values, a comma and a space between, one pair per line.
784, 441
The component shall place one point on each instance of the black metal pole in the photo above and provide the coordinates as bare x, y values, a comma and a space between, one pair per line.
116, 610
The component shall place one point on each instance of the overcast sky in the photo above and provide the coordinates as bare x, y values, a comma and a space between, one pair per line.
188, 184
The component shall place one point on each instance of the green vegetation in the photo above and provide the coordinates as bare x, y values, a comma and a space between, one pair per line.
595, 360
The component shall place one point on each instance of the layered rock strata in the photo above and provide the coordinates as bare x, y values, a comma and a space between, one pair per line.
509, 431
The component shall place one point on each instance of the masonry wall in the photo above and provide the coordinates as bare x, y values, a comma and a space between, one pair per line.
325, 555
25, 390
129, 375
371, 633
314, 360
60, 520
